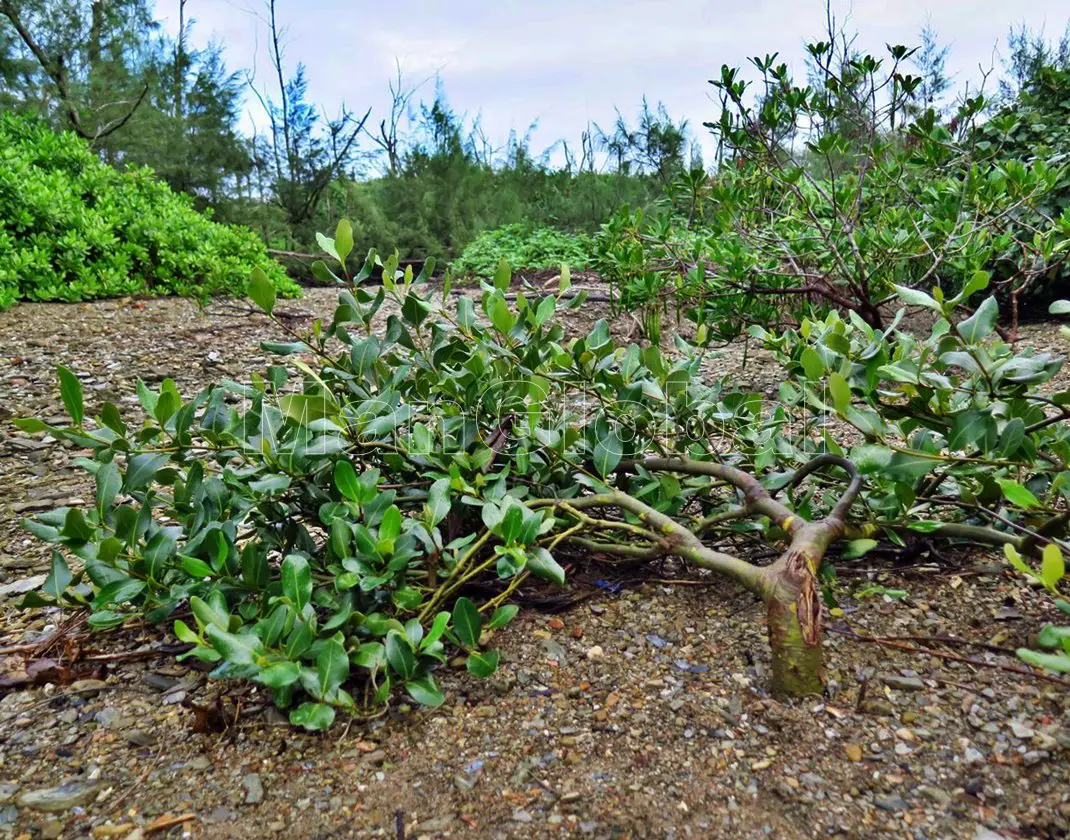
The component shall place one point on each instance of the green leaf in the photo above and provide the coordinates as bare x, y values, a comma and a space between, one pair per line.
545, 310
345, 479
343, 240
399, 654
75, 526
70, 389
1060, 307
261, 290
141, 469
608, 452
239, 648
1015, 559
978, 281
482, 665
279, 675
1052, 566
332, 668
438, 500
1059, 662
503, 276
327, 245
1052, 637
981, 323
210, 612
970, 429
315, 717
118, 592
1018, 495
109, 482
390, 525
502, 616
59, 578
297, 580
542, 564
185, 634
425, 691
500, 315
811, 363
195, 567
438, 627
915, 297
858, 548
307, 408
467, 622
840, 392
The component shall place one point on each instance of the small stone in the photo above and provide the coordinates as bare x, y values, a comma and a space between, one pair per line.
254, 789
61, 798
87, 688
1034, 757
854, 752
141, 738
972, 756
1021, 730
934, 794
812, 781
522, 817
903, 683
375, 757
7, 792
595, 653
556, 624
894, 802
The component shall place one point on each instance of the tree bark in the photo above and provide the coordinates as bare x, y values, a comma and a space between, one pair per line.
794, 624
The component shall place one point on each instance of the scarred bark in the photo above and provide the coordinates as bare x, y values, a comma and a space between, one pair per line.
793, 611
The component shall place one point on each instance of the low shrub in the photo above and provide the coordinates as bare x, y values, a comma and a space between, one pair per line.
329, 528
73, 228
523, 248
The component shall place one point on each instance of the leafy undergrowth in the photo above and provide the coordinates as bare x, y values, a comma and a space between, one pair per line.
74, 228
523, 247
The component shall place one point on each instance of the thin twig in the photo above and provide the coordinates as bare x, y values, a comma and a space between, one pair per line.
1012, 669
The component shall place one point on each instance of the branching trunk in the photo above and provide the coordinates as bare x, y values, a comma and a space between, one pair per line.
789, 587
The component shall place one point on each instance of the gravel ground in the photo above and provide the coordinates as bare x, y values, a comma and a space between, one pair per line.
638, 712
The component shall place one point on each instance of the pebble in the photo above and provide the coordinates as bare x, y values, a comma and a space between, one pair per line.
903, 683
87, 688
254, 789
61, 798
854, 752
893, 802
595, 653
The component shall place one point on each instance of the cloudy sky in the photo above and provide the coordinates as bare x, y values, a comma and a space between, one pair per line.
563, 63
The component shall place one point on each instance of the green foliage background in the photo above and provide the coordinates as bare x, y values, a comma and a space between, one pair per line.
73, 228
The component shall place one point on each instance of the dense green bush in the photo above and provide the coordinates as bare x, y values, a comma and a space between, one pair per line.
332, 525
1035, 126
813, 211
73, 228
523, 247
